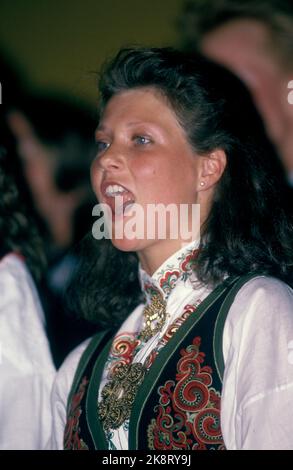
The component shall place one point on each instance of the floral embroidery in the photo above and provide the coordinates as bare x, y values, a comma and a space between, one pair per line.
188, 414
168, 277
164, 281
188, 263
124, 346
168, 280
72, 440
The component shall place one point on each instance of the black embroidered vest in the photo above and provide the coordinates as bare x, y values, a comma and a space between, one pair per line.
178, 404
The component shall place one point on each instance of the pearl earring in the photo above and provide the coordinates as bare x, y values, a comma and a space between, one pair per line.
202, 183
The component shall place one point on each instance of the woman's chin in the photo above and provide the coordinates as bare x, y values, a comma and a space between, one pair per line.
125, 244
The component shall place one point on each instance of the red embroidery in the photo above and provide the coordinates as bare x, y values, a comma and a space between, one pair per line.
71, 434
189, 262
188, 309
169, 280
189, 408
123, 348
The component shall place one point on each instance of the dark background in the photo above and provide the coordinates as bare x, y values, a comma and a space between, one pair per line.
58, 43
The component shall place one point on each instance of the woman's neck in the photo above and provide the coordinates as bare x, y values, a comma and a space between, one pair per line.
152, 257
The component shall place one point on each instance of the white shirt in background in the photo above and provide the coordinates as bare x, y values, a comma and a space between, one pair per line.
26, 367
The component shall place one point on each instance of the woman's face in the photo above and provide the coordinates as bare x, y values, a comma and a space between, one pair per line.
144, 152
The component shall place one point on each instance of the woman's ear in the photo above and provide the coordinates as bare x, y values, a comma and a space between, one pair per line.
212, 167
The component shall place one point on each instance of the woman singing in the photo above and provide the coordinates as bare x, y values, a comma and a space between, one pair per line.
202, 358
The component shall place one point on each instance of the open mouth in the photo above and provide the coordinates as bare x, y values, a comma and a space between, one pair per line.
119, 198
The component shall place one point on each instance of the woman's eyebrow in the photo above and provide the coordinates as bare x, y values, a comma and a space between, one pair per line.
101, 127
154, 126
144, 123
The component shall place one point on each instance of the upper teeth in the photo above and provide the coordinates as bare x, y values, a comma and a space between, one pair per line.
114, 189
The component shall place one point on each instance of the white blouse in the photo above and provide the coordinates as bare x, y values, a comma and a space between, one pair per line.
26, 368
257, 394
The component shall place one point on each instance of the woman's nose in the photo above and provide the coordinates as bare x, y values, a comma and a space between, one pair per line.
112, 159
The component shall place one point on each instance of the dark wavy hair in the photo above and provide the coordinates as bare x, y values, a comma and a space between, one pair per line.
18, 230
249, 228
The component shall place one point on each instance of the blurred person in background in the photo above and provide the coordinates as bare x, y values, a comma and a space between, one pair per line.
26, 366
54, 141
254, 39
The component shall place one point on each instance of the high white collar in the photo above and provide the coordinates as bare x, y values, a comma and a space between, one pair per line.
178, 268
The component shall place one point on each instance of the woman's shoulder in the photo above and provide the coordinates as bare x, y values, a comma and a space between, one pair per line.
265, 282
258, 377
266, 291
262, 306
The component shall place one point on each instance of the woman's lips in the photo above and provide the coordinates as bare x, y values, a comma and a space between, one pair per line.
117, 197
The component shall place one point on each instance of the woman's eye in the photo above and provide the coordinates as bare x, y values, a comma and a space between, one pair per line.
101, 146
142, 140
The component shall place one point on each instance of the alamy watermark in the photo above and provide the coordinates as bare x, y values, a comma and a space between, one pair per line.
155, 221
